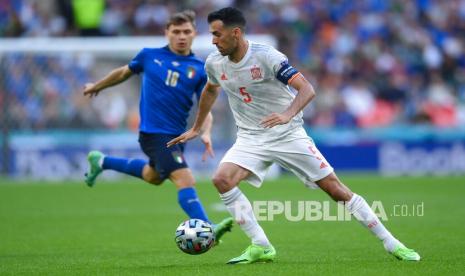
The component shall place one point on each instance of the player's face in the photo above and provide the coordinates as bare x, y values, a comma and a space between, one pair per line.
180, 37
225, 39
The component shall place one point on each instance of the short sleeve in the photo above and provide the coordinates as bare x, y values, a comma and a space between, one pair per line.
137, 63
281, 68
210, 72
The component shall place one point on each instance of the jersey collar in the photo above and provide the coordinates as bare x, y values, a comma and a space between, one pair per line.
167, 48
244, 59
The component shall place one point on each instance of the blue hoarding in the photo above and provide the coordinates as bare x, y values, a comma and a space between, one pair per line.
64, 156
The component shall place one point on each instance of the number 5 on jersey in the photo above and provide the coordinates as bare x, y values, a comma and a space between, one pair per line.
247, 98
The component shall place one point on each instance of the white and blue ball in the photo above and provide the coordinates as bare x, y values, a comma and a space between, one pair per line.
194, 236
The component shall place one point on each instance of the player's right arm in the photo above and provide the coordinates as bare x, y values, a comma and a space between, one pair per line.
113, 78
207, 99
206, 136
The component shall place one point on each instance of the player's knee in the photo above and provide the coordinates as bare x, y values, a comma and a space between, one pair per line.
154, 181
219, 180
222, 182
151, 177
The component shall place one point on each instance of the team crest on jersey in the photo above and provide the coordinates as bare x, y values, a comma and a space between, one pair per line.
190, 72
256, 72
177, 156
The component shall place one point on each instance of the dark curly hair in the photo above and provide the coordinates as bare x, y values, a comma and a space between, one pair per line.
231, 17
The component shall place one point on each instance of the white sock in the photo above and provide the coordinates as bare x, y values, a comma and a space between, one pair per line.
241, 210
360, 209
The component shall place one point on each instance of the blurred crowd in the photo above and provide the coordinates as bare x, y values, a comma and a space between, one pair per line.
373, 63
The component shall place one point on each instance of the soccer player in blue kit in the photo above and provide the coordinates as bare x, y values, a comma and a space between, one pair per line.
170, 77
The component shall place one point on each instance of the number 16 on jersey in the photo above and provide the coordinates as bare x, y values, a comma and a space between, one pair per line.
172, 78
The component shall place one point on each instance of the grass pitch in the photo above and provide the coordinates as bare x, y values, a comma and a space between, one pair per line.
127, 228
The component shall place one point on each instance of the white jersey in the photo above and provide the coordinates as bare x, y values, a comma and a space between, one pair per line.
253, 89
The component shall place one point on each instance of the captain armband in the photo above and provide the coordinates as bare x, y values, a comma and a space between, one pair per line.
286, 73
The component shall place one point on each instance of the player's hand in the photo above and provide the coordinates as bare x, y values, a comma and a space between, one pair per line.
275, 119
206, 139
89, 90
186, 136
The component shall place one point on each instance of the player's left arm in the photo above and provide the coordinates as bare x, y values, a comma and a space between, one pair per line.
305, 94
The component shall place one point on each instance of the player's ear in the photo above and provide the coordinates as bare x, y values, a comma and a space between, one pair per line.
194, 29
237, 32
167, 30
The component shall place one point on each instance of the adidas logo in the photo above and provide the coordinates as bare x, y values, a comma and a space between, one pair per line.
223, 77
323, 165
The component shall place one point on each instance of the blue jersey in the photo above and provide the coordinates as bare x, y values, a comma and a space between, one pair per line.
169, 82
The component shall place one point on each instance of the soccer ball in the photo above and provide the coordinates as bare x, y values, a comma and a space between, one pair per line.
194, 236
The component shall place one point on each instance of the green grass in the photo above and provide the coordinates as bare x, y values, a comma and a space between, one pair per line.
127, 228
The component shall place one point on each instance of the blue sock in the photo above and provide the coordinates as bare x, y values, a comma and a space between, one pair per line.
132, 167
191, 204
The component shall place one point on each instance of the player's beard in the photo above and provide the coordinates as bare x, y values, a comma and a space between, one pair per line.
222, 51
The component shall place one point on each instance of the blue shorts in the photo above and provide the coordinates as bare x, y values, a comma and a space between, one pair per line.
164, 160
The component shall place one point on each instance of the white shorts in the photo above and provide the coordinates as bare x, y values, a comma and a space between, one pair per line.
297, 154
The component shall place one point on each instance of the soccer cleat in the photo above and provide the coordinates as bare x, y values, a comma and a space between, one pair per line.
221, 228
95, 159
405, 254
254, 254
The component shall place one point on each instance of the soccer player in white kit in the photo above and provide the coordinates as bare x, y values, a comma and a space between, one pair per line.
256, 78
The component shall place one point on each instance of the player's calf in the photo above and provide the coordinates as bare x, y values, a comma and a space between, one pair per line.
335, 188
99, 162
